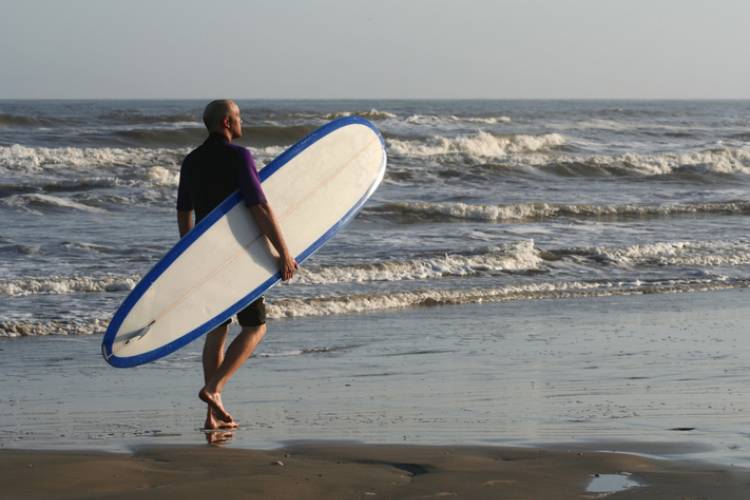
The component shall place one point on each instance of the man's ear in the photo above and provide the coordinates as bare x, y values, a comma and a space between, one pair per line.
225, 122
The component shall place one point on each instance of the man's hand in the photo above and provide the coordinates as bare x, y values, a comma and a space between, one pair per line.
288, 267
266, 221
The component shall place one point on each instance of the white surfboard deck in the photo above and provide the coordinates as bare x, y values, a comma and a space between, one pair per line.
224, 262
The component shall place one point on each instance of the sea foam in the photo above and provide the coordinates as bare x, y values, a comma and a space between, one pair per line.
452, 120
515, 257
679, 253
722, 160
55, 285
334, 305
372, 114
40, 159
515, 212
22, 328
479, 147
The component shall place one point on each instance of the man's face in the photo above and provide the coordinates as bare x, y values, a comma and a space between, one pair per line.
234, 122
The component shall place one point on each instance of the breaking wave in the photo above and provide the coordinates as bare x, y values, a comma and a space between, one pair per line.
711, 161
673, 253
547, 154
21, 287
534, 211
372, 114
437, 120
39, 179
22, 159
17, 159
334, 305
517, 257
481, 146
21, 328
352, 304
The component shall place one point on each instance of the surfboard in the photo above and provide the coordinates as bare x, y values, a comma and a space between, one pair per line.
315, 188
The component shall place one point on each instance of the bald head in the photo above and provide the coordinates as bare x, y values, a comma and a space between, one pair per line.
223, 117
216, 111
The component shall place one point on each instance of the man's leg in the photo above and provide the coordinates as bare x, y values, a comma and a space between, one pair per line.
239, 350
213, 355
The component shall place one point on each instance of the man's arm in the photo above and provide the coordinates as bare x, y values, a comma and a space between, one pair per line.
184, 201
264, 217
184, 221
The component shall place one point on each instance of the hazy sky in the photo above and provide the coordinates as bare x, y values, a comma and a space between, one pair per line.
375, 49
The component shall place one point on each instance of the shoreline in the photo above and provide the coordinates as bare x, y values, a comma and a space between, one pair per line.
663, 375
344, 470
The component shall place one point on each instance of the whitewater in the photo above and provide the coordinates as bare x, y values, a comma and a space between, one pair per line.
483, 201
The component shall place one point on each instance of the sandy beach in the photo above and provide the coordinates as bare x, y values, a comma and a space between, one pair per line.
404, 405
333, 471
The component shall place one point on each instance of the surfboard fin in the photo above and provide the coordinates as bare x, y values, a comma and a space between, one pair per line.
141, 333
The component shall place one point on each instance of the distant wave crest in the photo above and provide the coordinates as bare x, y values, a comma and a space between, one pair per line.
481, 146
16, 120
447, 211
372, 114
438, 120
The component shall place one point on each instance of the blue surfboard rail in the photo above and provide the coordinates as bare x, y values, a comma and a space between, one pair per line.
217, 213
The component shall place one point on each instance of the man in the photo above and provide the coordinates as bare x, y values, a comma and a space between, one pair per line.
208, 175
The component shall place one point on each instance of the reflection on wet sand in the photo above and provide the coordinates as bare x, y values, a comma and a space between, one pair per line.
218, 437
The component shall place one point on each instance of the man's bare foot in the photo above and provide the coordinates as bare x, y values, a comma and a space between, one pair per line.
214, 401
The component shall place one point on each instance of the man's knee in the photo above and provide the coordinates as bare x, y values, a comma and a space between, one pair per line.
217, 334
254, 331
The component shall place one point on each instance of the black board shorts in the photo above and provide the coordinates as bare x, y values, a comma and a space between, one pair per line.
252, 315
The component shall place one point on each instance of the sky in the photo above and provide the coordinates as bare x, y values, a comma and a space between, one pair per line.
399, 49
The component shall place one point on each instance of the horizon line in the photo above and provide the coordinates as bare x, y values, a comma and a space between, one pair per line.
644, 99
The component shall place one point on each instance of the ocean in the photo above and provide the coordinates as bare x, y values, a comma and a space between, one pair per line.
482, 201
536, 204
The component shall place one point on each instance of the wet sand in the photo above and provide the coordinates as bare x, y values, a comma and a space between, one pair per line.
641, 371
347, 471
